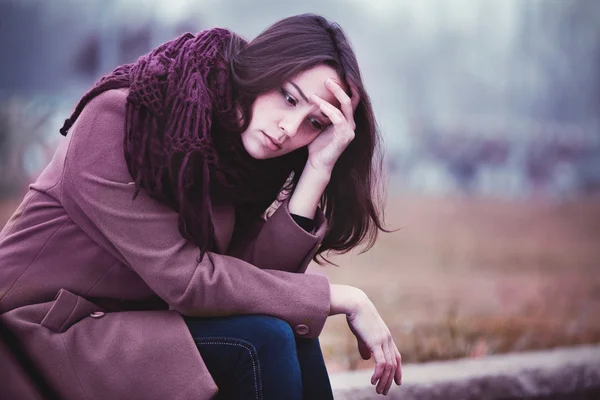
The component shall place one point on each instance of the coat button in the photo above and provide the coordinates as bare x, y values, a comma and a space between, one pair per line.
97, 314
302, 329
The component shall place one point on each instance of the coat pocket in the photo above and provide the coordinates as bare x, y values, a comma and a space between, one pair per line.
68, 309
137, 355
85, 353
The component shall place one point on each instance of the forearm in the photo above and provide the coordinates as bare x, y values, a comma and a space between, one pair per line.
305, 199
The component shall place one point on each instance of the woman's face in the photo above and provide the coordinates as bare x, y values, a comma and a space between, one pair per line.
285, 119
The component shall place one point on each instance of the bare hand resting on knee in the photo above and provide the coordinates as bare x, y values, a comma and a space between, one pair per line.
374, 337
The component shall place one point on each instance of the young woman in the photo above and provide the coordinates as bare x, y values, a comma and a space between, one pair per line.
139, 264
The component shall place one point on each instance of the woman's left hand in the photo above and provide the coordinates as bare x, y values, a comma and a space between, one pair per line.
325, 150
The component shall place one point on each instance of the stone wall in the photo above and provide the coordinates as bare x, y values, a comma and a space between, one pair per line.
560, 374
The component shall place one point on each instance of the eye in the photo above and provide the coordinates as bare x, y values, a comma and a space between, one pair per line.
316, 124
288, 97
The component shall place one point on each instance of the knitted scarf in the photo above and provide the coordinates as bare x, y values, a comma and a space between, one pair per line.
174, 93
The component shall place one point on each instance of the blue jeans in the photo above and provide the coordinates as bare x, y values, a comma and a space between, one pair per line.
259, 357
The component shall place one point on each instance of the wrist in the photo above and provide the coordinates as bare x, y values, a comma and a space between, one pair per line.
319, 175
346, 300
308, 192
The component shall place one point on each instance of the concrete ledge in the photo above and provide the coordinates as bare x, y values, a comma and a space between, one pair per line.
565, 373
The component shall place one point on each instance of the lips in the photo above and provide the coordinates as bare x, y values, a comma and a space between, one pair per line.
270, 143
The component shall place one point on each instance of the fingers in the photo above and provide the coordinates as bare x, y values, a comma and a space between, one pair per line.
355, 96
386, 381
379, 365
398, 374
388, 366
335, 115
385, 367
346, 104
344, 132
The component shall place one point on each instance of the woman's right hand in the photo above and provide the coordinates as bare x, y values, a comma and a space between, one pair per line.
328, 146
374, 337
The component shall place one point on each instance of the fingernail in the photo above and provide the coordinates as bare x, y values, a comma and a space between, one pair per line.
329, 81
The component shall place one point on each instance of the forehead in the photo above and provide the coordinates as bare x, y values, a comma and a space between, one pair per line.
312, 81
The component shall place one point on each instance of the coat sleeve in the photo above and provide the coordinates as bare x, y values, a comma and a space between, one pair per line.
278, 242
97, 192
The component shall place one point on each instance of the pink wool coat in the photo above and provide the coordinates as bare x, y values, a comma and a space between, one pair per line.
93, 284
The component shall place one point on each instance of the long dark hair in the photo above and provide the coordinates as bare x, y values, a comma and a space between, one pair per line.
353, 199
176, 161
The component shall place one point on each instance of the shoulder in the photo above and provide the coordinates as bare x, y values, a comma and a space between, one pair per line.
97, 135
107, 108
102, 121
108, 103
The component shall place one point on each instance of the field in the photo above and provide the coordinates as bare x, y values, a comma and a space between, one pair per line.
464, 277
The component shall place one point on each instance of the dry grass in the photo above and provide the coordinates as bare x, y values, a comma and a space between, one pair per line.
468, 277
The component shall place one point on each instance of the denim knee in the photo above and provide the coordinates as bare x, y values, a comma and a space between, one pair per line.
274, 333
250, 354
275, 344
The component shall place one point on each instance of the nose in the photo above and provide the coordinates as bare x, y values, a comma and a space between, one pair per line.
289, 125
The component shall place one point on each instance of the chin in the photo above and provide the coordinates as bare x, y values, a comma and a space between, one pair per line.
254, 148
257, 155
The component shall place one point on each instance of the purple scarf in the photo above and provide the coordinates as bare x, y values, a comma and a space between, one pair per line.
174, 92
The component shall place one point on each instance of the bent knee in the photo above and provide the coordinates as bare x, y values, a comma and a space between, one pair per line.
274, 331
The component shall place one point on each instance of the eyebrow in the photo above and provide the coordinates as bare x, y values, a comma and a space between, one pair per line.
306, 98
300, 91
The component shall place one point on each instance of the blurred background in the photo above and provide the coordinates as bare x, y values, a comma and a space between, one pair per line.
490, 112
